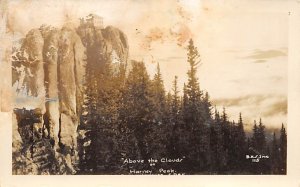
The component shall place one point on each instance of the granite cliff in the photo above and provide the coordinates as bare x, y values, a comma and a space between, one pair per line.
49, 76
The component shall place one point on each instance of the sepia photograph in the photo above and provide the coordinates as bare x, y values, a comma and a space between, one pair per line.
166, 93
132, 87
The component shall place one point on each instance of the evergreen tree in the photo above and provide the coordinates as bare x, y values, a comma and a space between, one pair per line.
283, 150
159, 129
275, 155
175, 105
207, 108
232, 146
241, 127
98, 148
107, 110
137, 111
255, 136
159, 98
194, 116
168, 107
240, 143
226, 137
175, 121
216, 144
261, 138
259, 148
194, 111
88, 126
237, 145
184, 103
248, 143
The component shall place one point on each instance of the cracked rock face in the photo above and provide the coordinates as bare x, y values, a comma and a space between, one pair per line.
33, 47
50, 66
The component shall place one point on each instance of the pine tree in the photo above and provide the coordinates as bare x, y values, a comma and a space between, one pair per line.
255, 136
175, 121
226, 137
159, 99
88, 126
216, 144
168, 107
184, 103
175, 105
232, 146
107, 129
240, 143
259, 147
283, 150
241, 127
98, 149
194, 111
261, 139
136, 113
194, 116
207, 108
275, 155
159, 129
237, 145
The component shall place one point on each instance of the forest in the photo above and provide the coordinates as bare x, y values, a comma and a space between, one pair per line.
126, 115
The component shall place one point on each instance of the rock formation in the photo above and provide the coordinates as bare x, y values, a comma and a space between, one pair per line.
50, 65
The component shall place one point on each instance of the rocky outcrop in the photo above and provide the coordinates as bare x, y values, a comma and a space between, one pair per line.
70, 86
104, 43
50, 65
33, 47
51, 117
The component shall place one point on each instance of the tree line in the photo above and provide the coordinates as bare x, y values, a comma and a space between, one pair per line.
130, 115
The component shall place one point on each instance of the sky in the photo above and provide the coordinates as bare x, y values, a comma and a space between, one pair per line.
243, 44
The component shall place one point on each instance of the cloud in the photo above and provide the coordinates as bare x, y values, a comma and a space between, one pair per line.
279, 107
272, 109
260, 56
274, 104
240, 100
